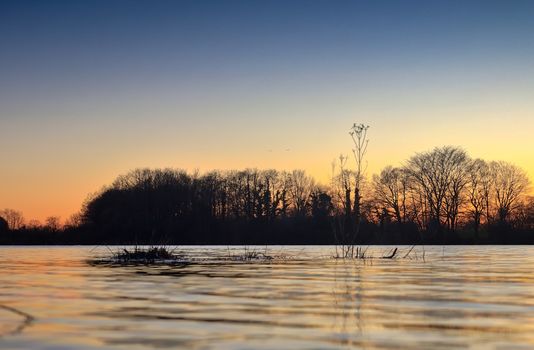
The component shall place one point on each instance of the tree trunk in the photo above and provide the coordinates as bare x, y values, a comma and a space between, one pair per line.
348, 221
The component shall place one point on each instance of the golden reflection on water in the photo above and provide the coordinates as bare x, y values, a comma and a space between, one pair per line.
458, 297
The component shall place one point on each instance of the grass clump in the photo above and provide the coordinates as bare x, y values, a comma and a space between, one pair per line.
152, 254
251, 255
142, 255
358, 253
256, 255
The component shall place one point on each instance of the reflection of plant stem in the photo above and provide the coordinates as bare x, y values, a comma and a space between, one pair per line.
28, 319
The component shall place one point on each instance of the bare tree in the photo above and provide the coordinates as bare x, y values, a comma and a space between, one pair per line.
344, 179
423, 168
300, 190
341, 189
478, 191
457, 166
440, 177
14, 218
283, 193
390, 190
510, 185
53, 223
74, 220
523, 216
34, 224
358, 134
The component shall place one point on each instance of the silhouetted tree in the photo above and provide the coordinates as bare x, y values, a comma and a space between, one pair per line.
321, 204
358, 134
342, 187
478, 192
4, 227
391, 192
510, 185
457, 166
34, 224
75, 220
440, 178
14, 218
53, 223
523, 217
301, 187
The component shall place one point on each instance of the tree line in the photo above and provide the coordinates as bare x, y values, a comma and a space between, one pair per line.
440, 196
445, 193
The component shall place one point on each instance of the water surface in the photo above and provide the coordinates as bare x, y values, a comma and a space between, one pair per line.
458, 297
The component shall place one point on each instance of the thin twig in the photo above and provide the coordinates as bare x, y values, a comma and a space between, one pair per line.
409, 251
28, 319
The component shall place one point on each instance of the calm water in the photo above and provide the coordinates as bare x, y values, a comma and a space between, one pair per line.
459, 297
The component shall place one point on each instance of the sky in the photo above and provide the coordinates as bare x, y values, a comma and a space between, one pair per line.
92, 89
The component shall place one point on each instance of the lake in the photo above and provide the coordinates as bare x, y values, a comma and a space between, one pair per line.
454, 298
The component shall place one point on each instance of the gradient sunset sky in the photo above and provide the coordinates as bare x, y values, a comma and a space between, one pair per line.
92, 89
